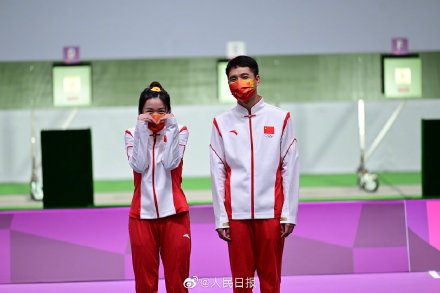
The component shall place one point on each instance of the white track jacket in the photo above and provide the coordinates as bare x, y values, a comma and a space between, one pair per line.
254, 165
157, 160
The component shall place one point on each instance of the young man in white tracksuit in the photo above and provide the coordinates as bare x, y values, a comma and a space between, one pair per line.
159, 219
255, 180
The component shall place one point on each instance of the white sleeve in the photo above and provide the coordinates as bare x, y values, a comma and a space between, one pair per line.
289, 173
218, 177
137, 147
175, 144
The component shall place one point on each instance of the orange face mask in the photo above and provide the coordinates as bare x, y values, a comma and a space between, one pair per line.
156, 127
243, 90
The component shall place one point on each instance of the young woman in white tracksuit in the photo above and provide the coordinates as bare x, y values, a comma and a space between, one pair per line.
158, 219
255, 180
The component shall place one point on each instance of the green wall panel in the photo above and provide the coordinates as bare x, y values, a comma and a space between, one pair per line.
189, 81
293, 78
25, 85
431, 75
320, 77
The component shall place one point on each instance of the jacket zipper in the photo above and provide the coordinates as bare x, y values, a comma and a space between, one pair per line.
252, 166
154, 187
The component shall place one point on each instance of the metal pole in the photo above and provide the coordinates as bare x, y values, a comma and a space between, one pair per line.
385, 129
361, 123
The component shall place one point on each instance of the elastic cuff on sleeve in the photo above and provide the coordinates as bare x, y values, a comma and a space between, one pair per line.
287, 220
222, 225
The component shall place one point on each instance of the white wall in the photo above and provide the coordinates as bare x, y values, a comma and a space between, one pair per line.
113, 29
327, 135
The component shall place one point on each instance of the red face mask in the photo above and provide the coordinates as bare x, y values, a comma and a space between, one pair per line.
243, 90
156, 127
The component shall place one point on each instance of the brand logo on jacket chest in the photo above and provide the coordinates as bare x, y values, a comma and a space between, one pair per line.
269, 131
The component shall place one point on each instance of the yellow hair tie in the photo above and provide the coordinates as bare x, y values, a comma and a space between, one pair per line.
155, 89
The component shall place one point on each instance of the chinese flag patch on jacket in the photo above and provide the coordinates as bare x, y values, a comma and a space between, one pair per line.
269, 130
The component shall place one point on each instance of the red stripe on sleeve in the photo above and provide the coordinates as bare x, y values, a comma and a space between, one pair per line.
218, 128
285, 120
217, 155
289, 148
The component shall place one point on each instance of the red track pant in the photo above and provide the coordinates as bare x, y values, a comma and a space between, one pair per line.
168, 237
256, 245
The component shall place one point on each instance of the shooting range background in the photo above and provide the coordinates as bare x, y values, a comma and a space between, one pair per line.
320, 91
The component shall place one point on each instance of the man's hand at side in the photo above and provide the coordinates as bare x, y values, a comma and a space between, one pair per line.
286, 229
224, 234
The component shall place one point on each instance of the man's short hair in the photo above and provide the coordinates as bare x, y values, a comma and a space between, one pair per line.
242, 61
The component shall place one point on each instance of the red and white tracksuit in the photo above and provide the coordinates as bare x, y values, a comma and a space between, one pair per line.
159, 218
255, 187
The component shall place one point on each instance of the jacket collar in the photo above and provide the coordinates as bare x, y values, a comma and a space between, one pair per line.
254, 110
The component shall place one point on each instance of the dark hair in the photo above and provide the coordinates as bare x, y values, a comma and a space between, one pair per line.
150, 94
242, 61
